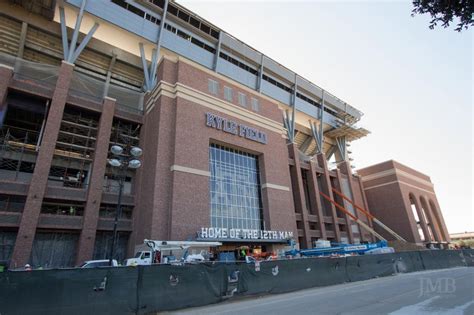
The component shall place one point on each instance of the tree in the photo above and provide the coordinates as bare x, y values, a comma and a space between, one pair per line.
444, 11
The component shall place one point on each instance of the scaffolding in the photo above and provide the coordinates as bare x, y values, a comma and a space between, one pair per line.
74, 150
19, 140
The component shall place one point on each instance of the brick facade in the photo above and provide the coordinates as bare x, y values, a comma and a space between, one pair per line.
391, 188
170, 192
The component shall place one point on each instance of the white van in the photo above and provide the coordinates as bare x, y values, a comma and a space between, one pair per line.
99, 263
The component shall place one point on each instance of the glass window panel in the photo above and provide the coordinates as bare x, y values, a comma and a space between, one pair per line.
234, 189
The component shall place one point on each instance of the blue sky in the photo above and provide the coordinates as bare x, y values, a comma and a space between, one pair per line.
415, 85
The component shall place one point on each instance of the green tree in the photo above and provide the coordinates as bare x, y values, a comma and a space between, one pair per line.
444, 11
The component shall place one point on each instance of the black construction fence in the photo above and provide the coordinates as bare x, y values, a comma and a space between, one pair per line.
148, 289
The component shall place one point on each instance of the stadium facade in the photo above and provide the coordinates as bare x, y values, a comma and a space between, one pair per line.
236, 147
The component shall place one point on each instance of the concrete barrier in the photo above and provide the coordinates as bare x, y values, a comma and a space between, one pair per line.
69, 291
146, 289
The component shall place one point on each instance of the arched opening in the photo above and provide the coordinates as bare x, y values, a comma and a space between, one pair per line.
424, 213
417, 219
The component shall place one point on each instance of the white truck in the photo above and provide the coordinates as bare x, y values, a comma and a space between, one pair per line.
163, 252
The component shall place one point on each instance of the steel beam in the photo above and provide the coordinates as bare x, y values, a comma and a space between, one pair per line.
321, 119
260, 75
218, 52
21, 48
145, 68
64, 36
158, 44
154, 62
317, 137
109, 75
75, 34
83, 43
287, 123
293, 107
341, 146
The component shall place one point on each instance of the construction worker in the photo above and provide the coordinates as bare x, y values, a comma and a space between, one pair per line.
243, 253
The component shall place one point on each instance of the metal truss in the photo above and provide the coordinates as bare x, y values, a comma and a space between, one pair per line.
71, 52
149, 72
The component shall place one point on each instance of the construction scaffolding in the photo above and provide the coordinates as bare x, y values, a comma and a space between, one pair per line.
20, 137
75, 147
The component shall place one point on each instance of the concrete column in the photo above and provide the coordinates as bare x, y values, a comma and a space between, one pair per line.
314, 195
345, 168
432, 220
424, 226
327, 183
439, 218
346, 216
299, 196
434, 225
94, 192
6, 73
37, 188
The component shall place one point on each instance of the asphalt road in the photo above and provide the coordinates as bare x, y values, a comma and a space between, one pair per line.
440, 292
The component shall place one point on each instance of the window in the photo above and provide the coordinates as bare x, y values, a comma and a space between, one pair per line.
205, 28
183, 16
132, 9
71, 208
242, 99
10, 203
238, 63
184, 35
234, 186
194, 22
173, 10
213, 87
108, 211
54, 249
152, 19
255, 104
228, 93
159, 3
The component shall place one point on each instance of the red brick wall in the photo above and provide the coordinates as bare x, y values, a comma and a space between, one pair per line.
175, 205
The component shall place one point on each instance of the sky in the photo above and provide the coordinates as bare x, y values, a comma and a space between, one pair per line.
414, 84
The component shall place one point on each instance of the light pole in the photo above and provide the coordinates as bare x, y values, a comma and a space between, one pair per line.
122, 159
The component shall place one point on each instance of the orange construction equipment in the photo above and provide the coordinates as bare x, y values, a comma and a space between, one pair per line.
361, 223
370, 216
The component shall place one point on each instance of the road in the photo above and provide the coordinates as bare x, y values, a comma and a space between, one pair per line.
435, 292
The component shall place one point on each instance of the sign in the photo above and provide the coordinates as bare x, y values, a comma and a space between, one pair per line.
232, 127
243, 234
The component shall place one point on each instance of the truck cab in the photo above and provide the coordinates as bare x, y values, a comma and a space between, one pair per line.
140, 258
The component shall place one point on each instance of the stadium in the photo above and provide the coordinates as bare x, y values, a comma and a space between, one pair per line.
234, 146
